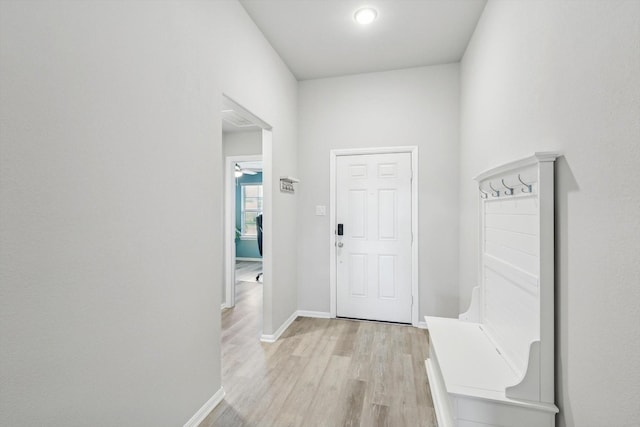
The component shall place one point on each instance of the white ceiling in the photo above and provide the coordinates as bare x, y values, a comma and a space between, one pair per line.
229, 128
319, 38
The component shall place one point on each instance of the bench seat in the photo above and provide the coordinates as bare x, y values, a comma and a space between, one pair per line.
469, 361
467, 374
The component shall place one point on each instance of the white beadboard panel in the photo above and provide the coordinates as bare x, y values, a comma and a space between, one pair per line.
527, 281
513, 256
524, 224
387, 214
357, 214
523, 205
511, 316
522, 242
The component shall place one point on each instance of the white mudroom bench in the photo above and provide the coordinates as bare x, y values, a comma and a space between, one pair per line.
494, 365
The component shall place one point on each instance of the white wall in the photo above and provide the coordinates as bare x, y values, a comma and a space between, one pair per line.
242, 143
111, 213
417, 106
549, 75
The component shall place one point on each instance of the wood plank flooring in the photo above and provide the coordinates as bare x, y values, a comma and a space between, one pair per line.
321, 372
246, 271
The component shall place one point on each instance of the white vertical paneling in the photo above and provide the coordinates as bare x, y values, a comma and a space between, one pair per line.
511, 268
522, 205
513, 256
511, 315
525, 243
387, 276
523, 224
387, 214
358, 275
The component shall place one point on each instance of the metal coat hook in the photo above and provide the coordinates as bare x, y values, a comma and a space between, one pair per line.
508, 190
525, 185
494, 193
483, 195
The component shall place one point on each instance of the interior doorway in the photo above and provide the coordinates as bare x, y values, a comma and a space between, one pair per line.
246, 141
244, 212
248, 226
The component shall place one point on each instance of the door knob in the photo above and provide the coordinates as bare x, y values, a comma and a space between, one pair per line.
340, 244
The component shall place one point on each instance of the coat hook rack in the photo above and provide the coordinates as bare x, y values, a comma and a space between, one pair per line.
508, 190
525, 185
494, 192
286, 184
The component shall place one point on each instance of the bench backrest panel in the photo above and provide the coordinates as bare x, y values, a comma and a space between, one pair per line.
510, 259
511, 297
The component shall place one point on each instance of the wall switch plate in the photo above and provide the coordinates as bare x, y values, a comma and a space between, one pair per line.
321, 210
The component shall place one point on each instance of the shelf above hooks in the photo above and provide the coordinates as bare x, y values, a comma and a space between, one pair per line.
286, 184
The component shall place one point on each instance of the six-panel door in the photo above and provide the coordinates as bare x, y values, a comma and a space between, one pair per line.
374, 254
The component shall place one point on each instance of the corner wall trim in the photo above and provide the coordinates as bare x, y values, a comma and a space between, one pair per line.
274, 337
206, 409
317, 314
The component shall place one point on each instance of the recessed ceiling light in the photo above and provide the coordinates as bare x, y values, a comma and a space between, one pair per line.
365, 15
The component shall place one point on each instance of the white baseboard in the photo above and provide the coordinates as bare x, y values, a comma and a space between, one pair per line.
422, 325
274, 337
317, 314
241, 258
224, 305
306, 313
206, 409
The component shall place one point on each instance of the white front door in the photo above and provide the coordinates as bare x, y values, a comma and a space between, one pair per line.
373, 264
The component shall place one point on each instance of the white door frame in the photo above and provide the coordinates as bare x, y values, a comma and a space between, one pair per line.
413, 150
229, 225
267, 195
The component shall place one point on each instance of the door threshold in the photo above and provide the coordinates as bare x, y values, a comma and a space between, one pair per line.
373, 321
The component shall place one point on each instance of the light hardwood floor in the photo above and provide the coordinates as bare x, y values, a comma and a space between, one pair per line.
321, 372
246, 271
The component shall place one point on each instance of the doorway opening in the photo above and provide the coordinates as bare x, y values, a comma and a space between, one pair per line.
374, 234
244, 208
248, 215
246, 144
